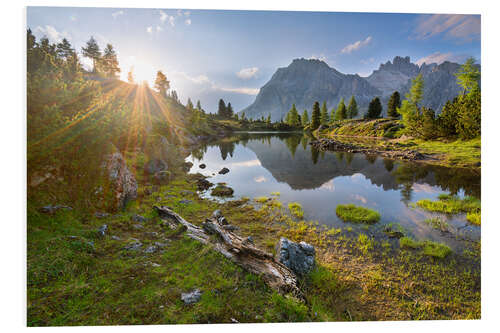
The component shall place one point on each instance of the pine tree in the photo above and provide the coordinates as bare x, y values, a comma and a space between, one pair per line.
130, 75
92, 51
229, 111
305, 118
374, 109
409, 109
293, 117
468, 75
222, 108
110, 62
324, 114
341, 110
189, 104
352, 108
268, 120
393, 105
316, 116
64, 49
175, 97
198, 106
161, 83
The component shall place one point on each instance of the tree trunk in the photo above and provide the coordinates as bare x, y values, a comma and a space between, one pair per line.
240, 251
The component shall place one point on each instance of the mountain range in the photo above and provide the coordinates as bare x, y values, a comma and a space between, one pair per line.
305, 81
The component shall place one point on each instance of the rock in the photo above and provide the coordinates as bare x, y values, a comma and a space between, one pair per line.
192, 297
222, 220
187, 166
391, 233
160, 244
133, 245
138, 218
186, 202
138, 226
299, 257
52, 209
155, 165
203, 184
234, 321
162, 177
115, 238
122, 181
203, 166
248, 240
102, 230
151, 234
230, 227
223, 171
217, 214
222, 191
186, 192
100, 215
151, 249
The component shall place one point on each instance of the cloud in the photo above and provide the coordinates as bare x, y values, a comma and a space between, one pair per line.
247, 73
463, 27
260, 179
439, 57
149, 30
321, 57
116, 14
249, 163
356, 45
52, 34
329, 185
204, 80
360, 198
245, 91
164, 17
188, 21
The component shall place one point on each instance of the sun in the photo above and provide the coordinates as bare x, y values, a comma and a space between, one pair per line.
142, 71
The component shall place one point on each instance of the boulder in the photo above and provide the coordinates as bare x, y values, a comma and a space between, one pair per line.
155, 165
222, 191
298, 257
192, 297
223, 171
122, 181
203, 184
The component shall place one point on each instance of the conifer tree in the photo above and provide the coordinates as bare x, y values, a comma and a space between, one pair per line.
229, 111
324, 114
374, 109
64, 49
92, 51
222, 108
130, 75
341, 110
189, 104
316, 116
352, 108
110, 62
198, 106
161, 83
393, 105
293, 116
305, 118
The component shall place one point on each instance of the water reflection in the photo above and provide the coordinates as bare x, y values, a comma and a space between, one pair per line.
263, 163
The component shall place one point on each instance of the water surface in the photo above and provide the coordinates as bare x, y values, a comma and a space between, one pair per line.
261, 163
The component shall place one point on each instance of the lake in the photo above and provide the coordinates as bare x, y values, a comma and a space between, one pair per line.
261, 163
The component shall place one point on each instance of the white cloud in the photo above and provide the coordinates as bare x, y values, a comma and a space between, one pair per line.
245, 91
321, 57
356, 45
116, 14
260, 179
329, 185
204, 80
360, 198
52, 34
188, 21
149, 30
164, 17
439, 57
463, 27
247, 73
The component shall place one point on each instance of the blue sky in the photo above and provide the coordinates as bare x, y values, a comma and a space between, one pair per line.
211, 54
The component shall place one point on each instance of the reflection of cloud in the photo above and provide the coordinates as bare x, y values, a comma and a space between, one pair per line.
260, 179
249, 163
328, 186
425, 188
360, 198
357, 177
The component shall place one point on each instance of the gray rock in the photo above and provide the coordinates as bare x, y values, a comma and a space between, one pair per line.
186, 202
151, 249
138, 226
123, 182
138, 218
133, 245
299, 257
155, 165
49, 209
102, 230
100, 215
222, 220
223, 171
160, 244
151, 234
217, 214
115, 238
192, 297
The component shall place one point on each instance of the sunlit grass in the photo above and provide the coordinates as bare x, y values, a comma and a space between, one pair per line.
353, 213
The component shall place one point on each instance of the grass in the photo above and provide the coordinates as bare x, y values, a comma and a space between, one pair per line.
429, 248
365, 244
437, 223
451, 204
296, 209
261, 200
353, 213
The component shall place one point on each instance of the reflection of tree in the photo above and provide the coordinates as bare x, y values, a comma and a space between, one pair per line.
304, 142
314, 155
389, 164
292, 142
199, 152
455, 179
407, 175
225, 149
371, 158
339, 155
349, 157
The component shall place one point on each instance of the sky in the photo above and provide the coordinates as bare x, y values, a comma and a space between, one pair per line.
213, 54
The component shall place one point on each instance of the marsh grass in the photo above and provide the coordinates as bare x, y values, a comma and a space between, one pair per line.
451, 204
437, 223
353, 213
474, 217
296, 209
429, 248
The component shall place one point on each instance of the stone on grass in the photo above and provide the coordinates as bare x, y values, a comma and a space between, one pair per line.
192, 297
138, 218
102, 230
133, 245
52, 209
299, 257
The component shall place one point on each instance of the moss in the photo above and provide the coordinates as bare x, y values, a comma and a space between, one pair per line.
429, 248
353, 213
296, 209
474, 217
409, 243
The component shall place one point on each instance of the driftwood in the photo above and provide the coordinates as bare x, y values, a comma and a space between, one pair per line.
239, 250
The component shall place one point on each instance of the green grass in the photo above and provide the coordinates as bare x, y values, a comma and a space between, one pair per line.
296, 209
451, 204
364, 243
474, 217
429, 248
437, 223
353, 213
261, 200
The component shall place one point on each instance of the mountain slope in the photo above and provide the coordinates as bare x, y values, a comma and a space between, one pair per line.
305, 81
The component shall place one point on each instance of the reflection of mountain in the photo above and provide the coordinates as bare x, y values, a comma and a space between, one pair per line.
292, 162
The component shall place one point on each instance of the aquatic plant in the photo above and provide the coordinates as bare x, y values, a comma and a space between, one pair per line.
353, 213
296, 209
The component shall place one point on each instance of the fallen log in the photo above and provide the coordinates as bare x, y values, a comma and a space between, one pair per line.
237, 249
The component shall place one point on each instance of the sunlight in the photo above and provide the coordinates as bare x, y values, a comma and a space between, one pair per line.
142, 70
